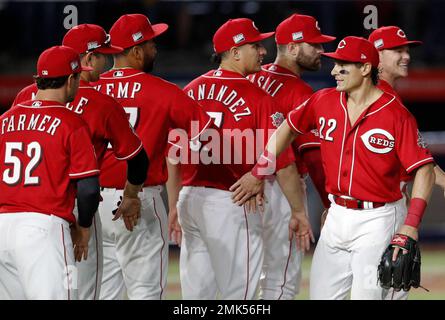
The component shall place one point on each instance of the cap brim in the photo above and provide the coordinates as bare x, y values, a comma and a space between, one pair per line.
413, 43
159, 29
263, 36
336, 56
109, 50
321, 39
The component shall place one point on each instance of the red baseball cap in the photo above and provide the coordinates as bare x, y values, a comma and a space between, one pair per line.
390, 37
300, 28
132, 29
237, 32
355, 49
59, 61
89, 37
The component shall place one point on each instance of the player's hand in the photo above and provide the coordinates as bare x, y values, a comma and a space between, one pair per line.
80, 237
130, 211
324, 215
409, 231
300, 228
174, 228
255, 204
245, 188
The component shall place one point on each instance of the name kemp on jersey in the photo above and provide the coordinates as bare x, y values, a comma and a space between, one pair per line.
224, 96
121, 89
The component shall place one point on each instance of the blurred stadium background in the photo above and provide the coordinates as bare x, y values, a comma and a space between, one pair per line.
30, 26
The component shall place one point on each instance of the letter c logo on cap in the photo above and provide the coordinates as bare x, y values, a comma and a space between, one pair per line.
401, 34
341, 44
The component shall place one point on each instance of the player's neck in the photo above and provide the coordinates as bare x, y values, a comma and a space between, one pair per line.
51, 95
388, 77
289, 65
234, 67
122, 62
363, 96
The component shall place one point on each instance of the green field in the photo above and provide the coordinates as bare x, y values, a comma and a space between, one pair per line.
433, 276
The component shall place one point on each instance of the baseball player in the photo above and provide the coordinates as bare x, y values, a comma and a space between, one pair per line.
366, 137
136, 262
299, 47
394, 46
108, 124
47, 160
222, 247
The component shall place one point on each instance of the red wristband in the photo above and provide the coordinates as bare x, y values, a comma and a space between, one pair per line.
415, 212
265, 166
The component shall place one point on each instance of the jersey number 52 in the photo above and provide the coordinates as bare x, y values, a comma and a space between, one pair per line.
13, 176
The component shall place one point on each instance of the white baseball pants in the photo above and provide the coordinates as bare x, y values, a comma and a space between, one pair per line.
349, 250
222, 247
135, 263
36, 257
281, 274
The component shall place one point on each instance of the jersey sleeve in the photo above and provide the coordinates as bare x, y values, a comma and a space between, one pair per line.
83, 161
302, 119
126, 144
306, 141
411, 148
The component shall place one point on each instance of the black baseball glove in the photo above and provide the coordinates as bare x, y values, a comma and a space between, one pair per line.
403, 273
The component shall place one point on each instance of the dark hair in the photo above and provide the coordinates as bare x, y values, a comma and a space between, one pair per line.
218, 57
375, 75
50, 83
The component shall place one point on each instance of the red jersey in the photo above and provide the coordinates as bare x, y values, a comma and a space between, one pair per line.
386, 87
288, 91
43, 148
154, 107
237, 106
105, 118
363, 160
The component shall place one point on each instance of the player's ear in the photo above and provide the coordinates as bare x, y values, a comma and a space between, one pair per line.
87, 59
366, 69
235, 53
293, 48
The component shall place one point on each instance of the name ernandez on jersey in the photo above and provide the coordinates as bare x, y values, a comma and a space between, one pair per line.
220, 93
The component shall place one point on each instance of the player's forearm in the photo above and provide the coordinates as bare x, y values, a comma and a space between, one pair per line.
420, 195
289, 180
312, 160
137, 168
88, 195
278, 142
281, 139
440, 176
174, 183
423, 182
